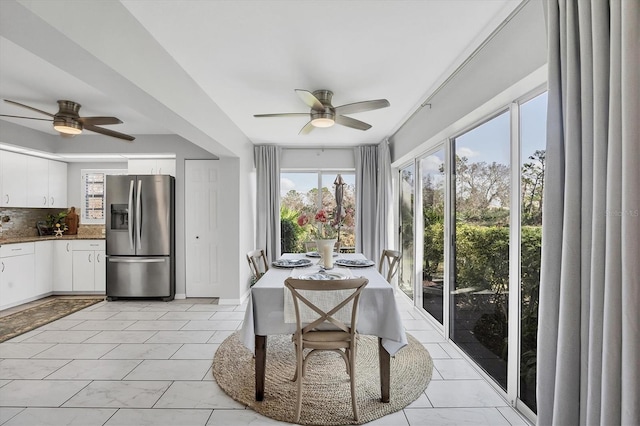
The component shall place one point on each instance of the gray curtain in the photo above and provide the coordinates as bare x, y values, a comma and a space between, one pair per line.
589, 319
373, 198
267, 161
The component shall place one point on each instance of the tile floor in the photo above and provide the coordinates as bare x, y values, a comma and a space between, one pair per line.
149, 363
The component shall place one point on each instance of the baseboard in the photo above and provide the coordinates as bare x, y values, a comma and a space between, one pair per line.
180, 296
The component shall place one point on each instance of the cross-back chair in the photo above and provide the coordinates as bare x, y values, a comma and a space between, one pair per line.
313, 246
342, 335
257, 263
390, 259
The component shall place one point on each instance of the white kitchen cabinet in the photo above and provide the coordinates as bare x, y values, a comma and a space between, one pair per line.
62, 266
89, 270
17, 276
13, 168
152, 166
37, 182
43, 268
57, 184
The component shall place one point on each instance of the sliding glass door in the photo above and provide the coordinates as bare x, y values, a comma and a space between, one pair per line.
406, 272
432, 190
480, 287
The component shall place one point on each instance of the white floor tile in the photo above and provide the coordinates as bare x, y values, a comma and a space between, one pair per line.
436, 351
62, 324
123, 336
427, 336
220, 336
196, 351
76, 351
91, 315
158, 417
158, 325
394, 419
180, 337
119, 394
170, 370
226, 315
463, 393
143, 351
202, 316
29, 368
95, 369
196, 394
137, 316
8, 412
22, 350
513, 417
460, 416
455, 369
421, 402
211, 308
241, 417
67, 336
39, 393
100, 325
62, 416
212, 325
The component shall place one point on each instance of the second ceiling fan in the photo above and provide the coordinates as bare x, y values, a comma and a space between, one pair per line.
323, 114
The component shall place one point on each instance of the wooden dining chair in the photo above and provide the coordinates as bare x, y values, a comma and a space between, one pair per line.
257, 263
390, 260
341, 337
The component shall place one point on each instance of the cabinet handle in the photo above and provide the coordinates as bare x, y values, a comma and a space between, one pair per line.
89, 257
2, 266
68, 247
52, 200
98, 257
44, 202
7, 195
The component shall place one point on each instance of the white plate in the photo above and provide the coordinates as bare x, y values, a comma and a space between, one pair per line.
357, 263
291, 263
325, 275
316, 254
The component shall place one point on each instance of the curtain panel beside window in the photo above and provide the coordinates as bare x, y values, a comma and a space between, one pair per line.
267, 162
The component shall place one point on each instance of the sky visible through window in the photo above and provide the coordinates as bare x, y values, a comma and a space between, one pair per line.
305, 181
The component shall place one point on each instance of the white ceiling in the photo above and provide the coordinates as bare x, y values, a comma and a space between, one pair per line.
201, 69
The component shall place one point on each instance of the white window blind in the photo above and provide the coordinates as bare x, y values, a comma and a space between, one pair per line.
93, 193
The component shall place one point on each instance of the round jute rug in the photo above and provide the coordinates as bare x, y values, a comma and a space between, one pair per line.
326, 391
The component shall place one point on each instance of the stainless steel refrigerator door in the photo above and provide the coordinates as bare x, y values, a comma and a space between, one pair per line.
153, 215
119, 212
139, 276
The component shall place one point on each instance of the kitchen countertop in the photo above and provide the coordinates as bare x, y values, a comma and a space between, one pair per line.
15, 240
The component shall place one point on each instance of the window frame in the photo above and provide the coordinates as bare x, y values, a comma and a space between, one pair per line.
84, 220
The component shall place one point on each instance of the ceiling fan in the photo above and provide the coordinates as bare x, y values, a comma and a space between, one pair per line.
323, 114
68, 122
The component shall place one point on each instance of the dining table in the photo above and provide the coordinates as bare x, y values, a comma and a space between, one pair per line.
268, 307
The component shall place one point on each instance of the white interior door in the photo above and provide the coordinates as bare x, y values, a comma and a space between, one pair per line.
201, 227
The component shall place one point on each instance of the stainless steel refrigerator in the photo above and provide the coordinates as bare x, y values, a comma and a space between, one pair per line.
140, 229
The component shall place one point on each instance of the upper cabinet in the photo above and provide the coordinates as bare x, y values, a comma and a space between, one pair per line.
14, 179
152, 166
32, 181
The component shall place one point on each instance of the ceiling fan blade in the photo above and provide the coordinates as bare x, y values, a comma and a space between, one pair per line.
309, 99
28, 107
285, 114
108, 132
99, 121
306, 129
362, 106
352, 122
30, 118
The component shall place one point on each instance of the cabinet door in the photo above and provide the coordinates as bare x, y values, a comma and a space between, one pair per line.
14, 180
43, 267
62, 266
83, 270
57, 184
166, 167
17, 283
100, 271
37, 182
142, 166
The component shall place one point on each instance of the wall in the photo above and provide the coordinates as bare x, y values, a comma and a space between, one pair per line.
517, 53
318, 158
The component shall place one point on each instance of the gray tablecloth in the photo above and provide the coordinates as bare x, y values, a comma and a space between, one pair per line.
378, 313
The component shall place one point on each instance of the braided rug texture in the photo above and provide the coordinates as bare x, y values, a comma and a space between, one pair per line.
326, 393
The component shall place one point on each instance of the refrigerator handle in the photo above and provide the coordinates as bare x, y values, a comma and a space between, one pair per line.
139, 214
129, 221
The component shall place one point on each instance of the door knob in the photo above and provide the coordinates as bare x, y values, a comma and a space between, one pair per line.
197, 237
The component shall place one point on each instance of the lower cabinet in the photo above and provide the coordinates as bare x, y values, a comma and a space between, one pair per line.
89, 270
17, 276
43, 268
62, 266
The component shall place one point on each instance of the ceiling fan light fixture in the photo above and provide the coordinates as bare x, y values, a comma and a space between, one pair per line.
323, 122
67, 127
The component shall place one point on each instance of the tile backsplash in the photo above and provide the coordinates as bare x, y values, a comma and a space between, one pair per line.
21, 222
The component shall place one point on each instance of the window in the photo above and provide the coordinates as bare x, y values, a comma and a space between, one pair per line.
93, 192
306, 192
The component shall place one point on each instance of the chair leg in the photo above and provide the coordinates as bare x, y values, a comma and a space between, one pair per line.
352, 378
299, 356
